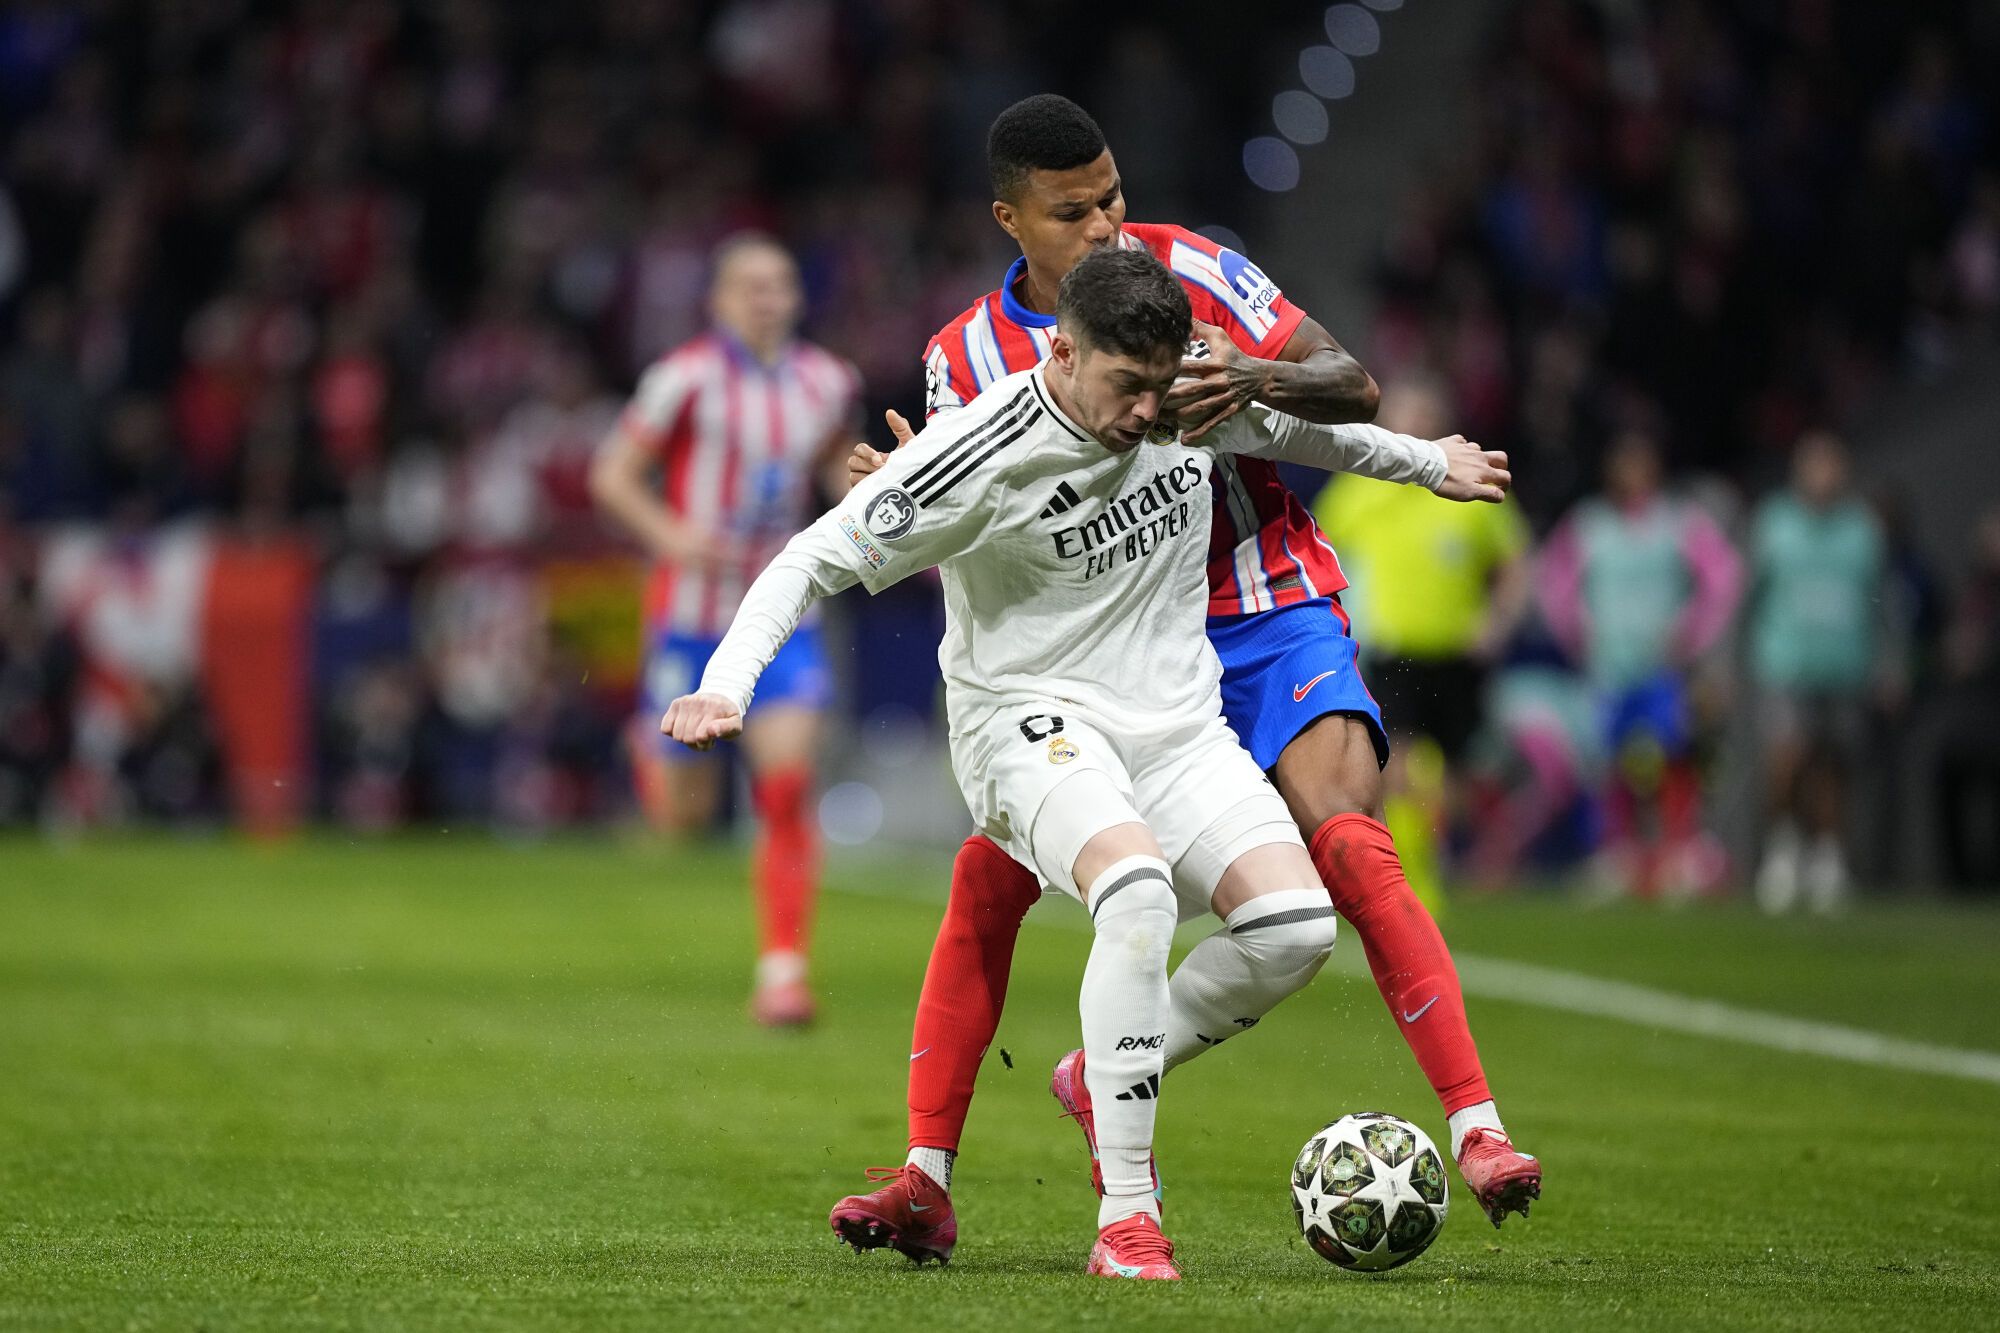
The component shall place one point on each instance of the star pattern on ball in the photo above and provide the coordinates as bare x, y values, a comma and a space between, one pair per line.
1392, 1187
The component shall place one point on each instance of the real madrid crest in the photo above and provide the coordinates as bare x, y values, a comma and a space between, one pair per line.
1061, 751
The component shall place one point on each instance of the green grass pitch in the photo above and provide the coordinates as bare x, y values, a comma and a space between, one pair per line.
453, 1083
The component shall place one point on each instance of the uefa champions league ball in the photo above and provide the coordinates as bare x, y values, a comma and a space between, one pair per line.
1369, 1192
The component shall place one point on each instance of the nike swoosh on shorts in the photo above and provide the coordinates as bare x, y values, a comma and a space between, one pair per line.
1299, 692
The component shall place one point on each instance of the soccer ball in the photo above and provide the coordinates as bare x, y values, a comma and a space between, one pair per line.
1369, 1192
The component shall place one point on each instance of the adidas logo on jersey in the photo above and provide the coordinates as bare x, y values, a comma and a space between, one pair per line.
1066, 499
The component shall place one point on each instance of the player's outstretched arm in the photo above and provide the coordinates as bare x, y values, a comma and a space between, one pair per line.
1454, 467
886, 529
813, 565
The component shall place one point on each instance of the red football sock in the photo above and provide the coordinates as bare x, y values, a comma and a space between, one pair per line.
1680, 801
787, 859
1357, 860
965, 987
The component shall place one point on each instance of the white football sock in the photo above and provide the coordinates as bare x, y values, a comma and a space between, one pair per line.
935, 1163
1131, 1163
780, 967
1123, 1005
1266, 949
1480, 1115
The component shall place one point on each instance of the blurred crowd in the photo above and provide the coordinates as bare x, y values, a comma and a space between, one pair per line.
1680, 243
1720, 223
1674, 692
312, 313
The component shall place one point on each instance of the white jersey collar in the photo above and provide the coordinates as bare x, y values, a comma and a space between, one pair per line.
1039, 383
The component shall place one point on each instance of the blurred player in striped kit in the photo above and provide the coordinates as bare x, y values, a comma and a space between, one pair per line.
741, 423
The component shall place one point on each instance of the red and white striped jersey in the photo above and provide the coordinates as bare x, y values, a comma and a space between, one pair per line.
1265, 551
739, 442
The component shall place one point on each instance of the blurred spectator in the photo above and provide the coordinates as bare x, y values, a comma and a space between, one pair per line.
1816, 657
1638, 585
527, 484
1750, 216
1913, 614
1967, 777
38, 674
131, 602
1536, 769
50, 414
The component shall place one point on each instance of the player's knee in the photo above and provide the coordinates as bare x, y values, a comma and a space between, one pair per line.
1289, 942
1286, 930
1350, 801
1315, 937
1347, 789
1135, 904
985, 880
1144, 904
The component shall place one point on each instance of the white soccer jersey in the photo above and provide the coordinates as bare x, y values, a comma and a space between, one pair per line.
1069, 570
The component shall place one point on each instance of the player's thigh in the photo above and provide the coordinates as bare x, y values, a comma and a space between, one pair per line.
1272, 867
672, 667
1331, 768
675, 795
1837, 731
692, 789
781, 736
1292, 691
684, 786
1048, 786
1212, 807
1108, 847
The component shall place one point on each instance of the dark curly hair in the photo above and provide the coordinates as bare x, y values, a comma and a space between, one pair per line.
1124, 301
1045, 132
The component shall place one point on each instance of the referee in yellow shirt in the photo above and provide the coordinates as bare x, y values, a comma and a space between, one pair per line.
1435, 589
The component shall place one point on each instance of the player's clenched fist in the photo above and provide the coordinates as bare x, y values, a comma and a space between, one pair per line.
1473, 473
700, 720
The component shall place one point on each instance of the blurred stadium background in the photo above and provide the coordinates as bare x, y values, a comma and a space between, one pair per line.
313, 312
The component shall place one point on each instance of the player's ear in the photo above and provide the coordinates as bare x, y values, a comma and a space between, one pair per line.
1003, 213
1062, 350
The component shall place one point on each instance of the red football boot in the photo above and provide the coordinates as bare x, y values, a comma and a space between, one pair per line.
911, 1213
1502, 1180
1067, 1084
1134, 1248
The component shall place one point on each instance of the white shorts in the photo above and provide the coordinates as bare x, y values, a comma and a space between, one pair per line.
1193, 786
